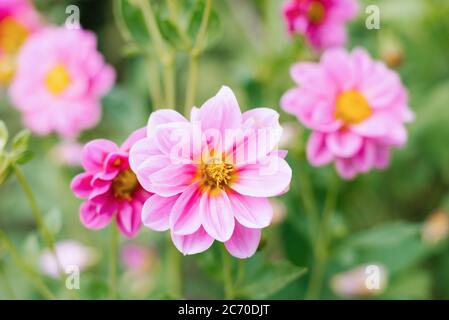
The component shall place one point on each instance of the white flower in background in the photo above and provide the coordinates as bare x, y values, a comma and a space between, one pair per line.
70, 253
290, 135
361, 281
435, 228
67, 153
279, 211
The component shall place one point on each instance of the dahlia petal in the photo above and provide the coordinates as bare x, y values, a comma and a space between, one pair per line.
156, 212
95, 152
185, 217
133, 138
318, 153
251, 212
172, 179
128, 218
141, 151
382, 157
346, 168
90, 217
244, 241
338, 66
171, 135
196, 242
217, 215
267, 179
343, 144
221, 112
81, 185
150, 166
162, 117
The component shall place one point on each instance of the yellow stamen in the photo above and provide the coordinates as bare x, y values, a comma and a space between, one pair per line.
57, 79
316, 12
12, 35
352, 107
124, 185
215, 174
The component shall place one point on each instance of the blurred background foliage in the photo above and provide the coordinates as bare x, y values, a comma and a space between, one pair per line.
381, 216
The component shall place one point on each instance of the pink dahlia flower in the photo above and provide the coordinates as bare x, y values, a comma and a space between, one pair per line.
109, 186
60, 80
18, 20
355, 106
211, 176
321, 22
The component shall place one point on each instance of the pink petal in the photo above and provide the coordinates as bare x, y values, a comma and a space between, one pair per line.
217, 215
172, 179
156, 212
129, 218
170, 136
221, 112
382, 157
250, 211
311, 76
266, 179
91, 219
133, 138
185, 217
318, 153
196, 242
244, 241
346, 168
338, 66
150, 166
81, 185
162, 117
141, 151
95, 152
343, 144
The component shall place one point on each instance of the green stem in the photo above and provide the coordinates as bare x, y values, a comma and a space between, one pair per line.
28, 270
321, 243
227, 276
172, 9
8, 287
194, 56
174, 271
308, 198
170, 82
113, 252
191, 84
154, 84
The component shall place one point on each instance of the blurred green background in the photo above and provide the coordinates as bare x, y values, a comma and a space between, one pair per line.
380, 215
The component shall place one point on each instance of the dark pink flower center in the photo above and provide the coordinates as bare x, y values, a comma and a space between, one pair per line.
124, 185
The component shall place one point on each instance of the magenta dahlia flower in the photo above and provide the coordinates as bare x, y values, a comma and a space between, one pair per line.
60, 80
321, 22
211, 176
18, 20
356, 108
109, 186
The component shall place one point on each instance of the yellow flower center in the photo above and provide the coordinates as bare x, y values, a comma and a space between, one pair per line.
215, 174
352, 107
57, 79
316, 12
7, 69
124, 185
12, 35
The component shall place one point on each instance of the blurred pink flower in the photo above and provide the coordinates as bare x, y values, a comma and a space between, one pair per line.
60, 80
109, 186
321, 22
355, 106
138, 258
219, 190
68, 153
18, 20
69, 253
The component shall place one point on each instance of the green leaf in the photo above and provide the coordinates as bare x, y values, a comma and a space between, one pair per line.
271, 278
384, 235
171, 33
195, 19
20, 142
5, 168
131, 18
3, 135
23, 157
